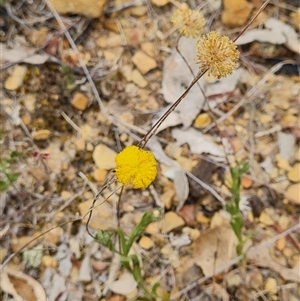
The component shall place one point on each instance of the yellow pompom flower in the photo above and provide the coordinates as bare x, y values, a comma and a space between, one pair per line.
135, 166
189, 22
217, 54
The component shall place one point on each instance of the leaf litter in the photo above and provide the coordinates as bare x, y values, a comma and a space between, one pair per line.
257, 126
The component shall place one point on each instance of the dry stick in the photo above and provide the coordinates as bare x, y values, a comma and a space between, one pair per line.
156, 125
236, 260
34, 239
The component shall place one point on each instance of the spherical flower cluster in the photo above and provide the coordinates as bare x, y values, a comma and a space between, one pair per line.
217, 54
135, 166
189, 22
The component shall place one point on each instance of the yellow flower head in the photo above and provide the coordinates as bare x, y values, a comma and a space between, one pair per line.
189, 22
135, 166
216, 53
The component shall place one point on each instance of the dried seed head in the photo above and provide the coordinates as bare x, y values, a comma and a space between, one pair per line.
217, 54
135, 166
189, 22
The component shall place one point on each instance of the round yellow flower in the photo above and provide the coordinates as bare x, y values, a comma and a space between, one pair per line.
217, 54
135, 166
189, 22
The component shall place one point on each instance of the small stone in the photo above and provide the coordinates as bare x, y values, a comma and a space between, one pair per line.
153, 228
194, 234
15, 80
233, 280
266, 219
138, 79
26, 119
294, 173
102, 216
65, 195
202, 121
143, 62
293, 191
146, 242
280, 244
138, 11
148, 48
134, 36
289, 120
246, 182
100, 175
104, 157
41, 135
167, 197
173, 150
172, 221
264, 118
88, 8
79, 101
271, 286
288, 252
202, 219
38, 36
236, 12
283, 163
109, 40
29, 101
160, 3
49, 262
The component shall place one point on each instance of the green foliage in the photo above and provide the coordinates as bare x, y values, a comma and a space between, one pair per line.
6, 176
233, 207
69, 81
131, 262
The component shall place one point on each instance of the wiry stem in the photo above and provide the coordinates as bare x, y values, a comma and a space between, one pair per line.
157, 124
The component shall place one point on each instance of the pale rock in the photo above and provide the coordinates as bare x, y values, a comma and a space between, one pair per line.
167, 197
293, 192
283, 163
281, 243
41, 135
266, 217
26, 119
39, 36
109, 40
49, 262
264, 118
138, 11
160, 3
280, 100
194, 234
79, 101
100, 175
294, 173
271, 286
288, 252
246, 182
29, 101
173, 150
80, 144
202, 121
289, 120
65, 195
171, 254
104, 157
134, 36
143, 62
88, 8
233, 280
172, 221
148, 48
286, 143
138, 79
125, 285
284, 222
153, 228
202, 219
102, 215
146, 242
126, 71
236, 12
15, 80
